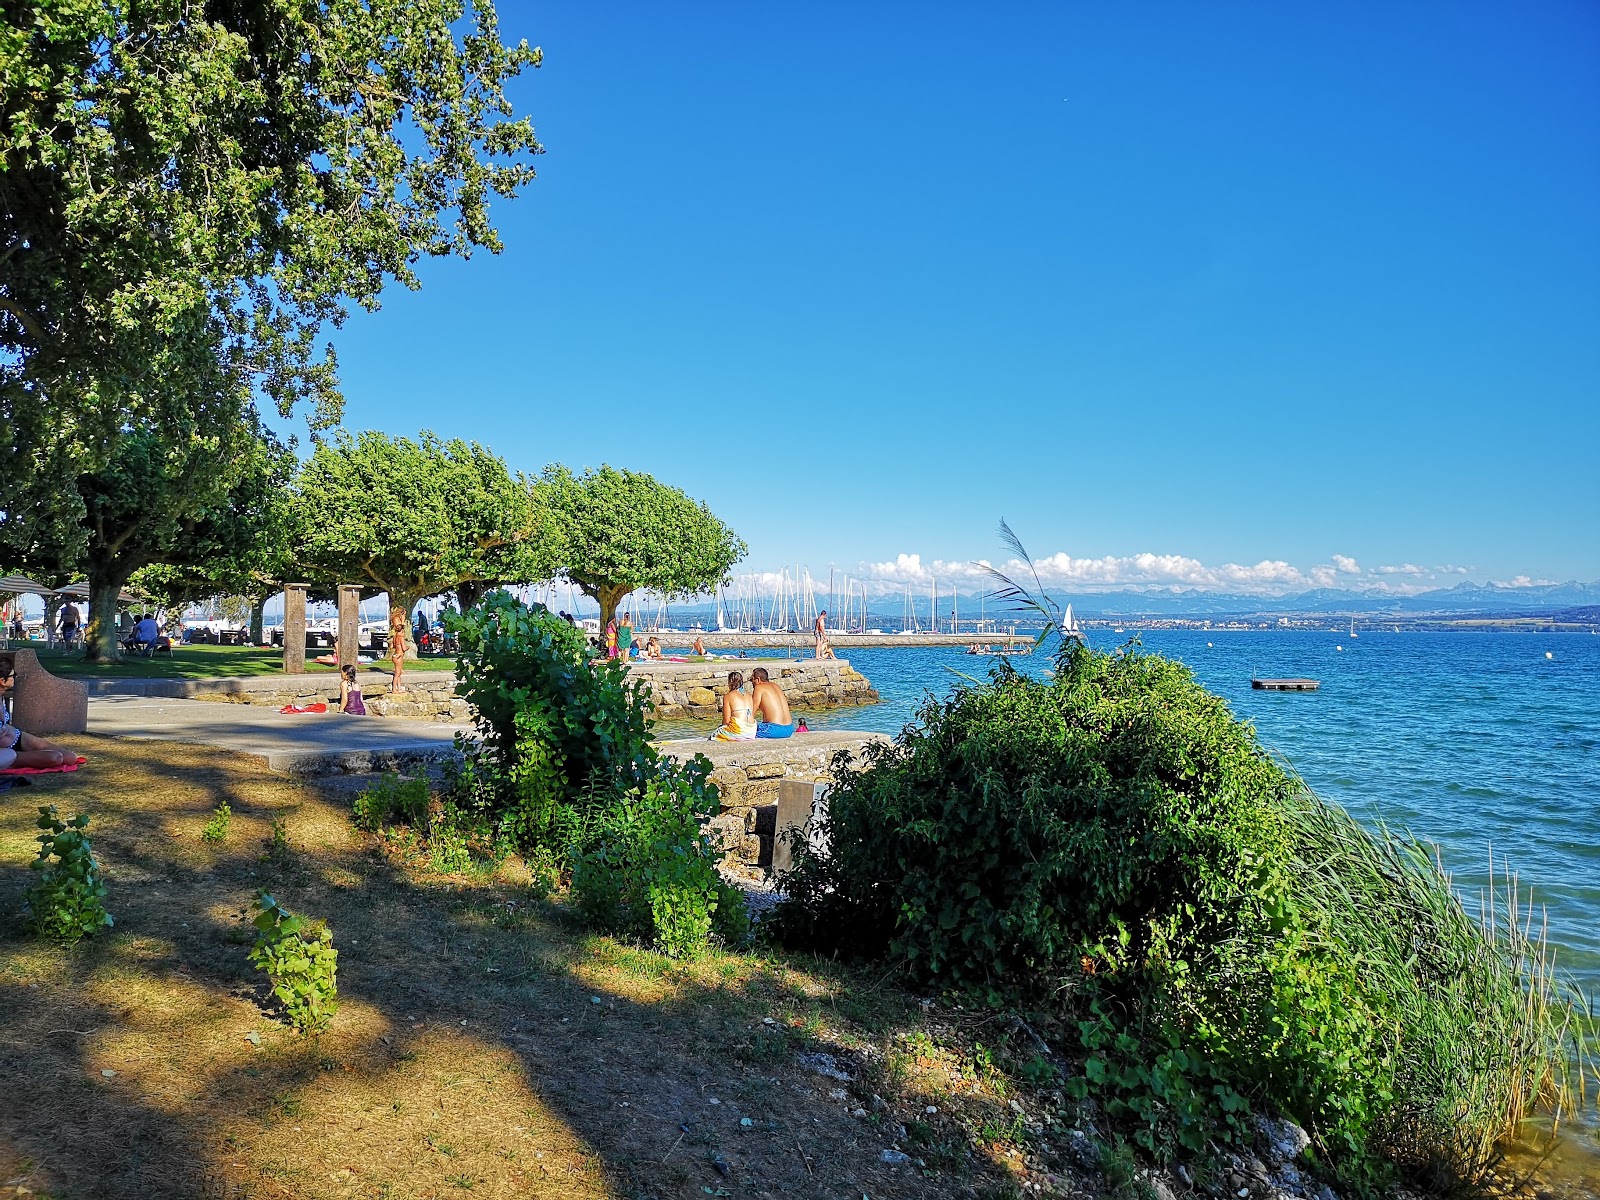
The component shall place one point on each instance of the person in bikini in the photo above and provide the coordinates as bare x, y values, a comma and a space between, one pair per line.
768, 698
18, 749
738, 713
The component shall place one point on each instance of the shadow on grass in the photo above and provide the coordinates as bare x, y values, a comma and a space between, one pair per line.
485, 1045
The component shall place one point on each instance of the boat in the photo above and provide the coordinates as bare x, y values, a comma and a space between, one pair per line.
1069, 626
1353, 632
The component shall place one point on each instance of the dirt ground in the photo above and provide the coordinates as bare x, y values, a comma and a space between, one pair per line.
485, 1045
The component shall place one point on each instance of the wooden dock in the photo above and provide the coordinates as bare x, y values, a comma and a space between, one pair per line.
1286, 685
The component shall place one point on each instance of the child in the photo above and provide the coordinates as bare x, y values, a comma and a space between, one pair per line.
350, 700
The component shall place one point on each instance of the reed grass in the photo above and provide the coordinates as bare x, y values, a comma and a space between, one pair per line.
1482, 1028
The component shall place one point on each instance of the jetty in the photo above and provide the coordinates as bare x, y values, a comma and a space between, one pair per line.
729, 639
1286, 685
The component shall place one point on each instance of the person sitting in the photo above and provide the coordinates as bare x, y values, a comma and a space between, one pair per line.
768, 698
146, 633
738, 713
19, 749
652, 649
699, 646
350, 700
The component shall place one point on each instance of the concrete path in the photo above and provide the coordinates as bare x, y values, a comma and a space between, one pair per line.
304, 744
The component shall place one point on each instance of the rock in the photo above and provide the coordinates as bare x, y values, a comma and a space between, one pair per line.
700, 697
1282, 1140
1161, 1189
825, 1065
1083, 1150
894, 1158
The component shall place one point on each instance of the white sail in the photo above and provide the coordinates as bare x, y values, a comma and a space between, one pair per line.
1069, 627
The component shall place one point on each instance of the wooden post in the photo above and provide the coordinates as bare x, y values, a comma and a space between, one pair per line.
294, 628
349, 624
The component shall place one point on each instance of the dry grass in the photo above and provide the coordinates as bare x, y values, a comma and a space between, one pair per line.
469, 1057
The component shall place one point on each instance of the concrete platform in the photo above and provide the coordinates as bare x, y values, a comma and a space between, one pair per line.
304, 744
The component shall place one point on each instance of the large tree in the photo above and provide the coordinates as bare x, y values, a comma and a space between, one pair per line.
187, 187
190, 502
417, 518
622, 530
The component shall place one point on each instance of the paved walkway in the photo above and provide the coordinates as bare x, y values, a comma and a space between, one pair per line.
302, 744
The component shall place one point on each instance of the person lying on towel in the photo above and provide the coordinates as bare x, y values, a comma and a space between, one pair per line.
18, 749
738, 713
776, 719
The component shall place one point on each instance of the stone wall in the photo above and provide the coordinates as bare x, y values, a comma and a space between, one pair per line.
748, 774
429, 696
696, 689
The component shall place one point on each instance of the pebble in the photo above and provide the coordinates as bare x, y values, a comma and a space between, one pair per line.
931, 1109
712, 1100
838, 1094
895, 1158
109, 1074
592, 1000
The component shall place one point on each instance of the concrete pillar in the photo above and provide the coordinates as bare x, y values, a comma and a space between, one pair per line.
294, 628
349, 624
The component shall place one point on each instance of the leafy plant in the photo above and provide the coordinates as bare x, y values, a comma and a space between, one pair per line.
67, 899
392, 799
216, 827
300, 962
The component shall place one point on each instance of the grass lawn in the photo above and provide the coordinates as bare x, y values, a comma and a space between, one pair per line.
204, 662
486, 1044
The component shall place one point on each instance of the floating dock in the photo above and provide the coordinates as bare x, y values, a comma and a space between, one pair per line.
1286, 685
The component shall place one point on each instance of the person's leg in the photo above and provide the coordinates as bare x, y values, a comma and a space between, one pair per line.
33, 751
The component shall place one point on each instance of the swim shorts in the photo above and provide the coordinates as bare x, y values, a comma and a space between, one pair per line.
766, 729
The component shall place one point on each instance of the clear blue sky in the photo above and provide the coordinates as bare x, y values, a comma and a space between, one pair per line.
1228, 283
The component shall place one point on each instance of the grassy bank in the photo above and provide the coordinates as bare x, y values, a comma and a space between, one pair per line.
486, 1045
202, 662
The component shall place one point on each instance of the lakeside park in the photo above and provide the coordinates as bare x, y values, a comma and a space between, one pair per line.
414, 783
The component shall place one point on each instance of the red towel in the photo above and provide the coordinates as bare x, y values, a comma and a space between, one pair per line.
67, 766
309, 708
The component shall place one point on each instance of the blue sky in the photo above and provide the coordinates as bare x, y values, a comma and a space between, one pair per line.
1246, 289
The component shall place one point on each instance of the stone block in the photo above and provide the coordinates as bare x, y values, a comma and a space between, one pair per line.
700, 697
45, 704
726, 831
792, 816
766, 770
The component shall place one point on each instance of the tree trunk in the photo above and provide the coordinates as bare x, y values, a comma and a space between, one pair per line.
468, 595
100, 635
258, 619
610, 598
406, 601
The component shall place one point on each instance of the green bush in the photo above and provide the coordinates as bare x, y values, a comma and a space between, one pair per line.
392, 800
300, 962
647, 870
67, 900
565, 769
1113, 846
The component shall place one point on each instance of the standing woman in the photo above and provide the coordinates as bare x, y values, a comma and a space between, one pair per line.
625, 636
399, 627
611, 638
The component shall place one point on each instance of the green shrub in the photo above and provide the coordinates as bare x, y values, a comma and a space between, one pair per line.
1113, 846
216, 827
392, 800
67, 899
648, 871
299, 961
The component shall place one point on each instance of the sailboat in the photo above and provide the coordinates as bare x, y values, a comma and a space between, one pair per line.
1069, 626
1353, 632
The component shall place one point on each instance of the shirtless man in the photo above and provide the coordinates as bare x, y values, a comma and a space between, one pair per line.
820, 629
738, 713
776, 719
18, 749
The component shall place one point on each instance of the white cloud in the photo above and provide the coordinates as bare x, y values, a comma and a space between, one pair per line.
1346, 564
1402, 569
1522, 581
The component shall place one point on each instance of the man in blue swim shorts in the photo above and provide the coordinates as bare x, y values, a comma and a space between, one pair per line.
772, 706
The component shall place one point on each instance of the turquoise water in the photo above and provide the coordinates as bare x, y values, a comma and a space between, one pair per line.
1468, 739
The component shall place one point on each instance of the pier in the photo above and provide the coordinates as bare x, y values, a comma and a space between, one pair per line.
727, 639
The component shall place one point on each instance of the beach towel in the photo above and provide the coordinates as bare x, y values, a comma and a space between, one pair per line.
67, 766
309, 708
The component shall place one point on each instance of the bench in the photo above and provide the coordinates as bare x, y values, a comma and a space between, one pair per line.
45, 704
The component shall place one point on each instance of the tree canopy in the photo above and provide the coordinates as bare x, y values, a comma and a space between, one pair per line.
186, 190
416, 518
622, 530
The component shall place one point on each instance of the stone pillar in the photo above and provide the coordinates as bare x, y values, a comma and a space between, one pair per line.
294, 628
349, 624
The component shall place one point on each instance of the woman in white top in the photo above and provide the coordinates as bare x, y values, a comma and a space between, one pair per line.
738, 713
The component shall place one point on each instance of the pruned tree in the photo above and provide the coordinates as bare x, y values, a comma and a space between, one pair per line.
417, 518
187, 189
622, 530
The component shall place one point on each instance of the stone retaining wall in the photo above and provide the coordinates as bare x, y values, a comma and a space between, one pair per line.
748, 775
696, 689
429, 696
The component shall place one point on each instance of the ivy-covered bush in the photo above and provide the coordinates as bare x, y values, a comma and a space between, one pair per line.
299, 961
1113, 848
67, 899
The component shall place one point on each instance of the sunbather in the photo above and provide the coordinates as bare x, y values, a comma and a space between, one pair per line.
18, 749
738, 714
